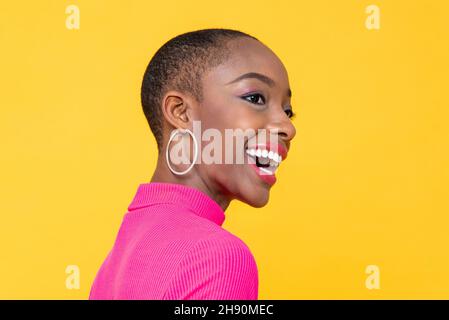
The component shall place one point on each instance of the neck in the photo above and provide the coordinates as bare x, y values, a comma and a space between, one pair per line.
193, 179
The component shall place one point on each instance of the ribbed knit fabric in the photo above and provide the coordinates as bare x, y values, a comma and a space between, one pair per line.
171, 245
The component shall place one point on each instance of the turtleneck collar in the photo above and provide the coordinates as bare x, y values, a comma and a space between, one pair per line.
181, 195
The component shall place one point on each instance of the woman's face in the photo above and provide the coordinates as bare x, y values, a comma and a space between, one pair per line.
254, 103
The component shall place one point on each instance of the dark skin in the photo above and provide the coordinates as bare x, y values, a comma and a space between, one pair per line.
246, 104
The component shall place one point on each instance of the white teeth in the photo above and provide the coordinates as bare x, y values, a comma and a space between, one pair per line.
274, 158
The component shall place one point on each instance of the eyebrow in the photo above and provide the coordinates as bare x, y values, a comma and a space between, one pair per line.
270, 82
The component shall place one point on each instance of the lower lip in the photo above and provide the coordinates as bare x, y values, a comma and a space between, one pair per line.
267, 178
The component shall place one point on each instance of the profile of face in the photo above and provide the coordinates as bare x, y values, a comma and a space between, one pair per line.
249, 91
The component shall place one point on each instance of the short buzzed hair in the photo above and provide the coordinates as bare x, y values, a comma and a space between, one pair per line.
180, 65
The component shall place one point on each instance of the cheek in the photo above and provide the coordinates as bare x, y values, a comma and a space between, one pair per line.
230, 113
227, 114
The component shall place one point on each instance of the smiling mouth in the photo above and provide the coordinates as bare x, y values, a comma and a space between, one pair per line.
267, 161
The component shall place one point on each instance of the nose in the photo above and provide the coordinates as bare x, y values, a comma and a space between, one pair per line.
284, 127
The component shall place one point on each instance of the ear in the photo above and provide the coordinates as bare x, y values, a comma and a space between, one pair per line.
176, 109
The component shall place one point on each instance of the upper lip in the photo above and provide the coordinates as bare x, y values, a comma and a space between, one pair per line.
277, 147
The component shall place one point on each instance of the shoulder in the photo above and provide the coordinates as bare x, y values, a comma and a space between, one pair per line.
179, 217
218, 266
224, 247
165, 224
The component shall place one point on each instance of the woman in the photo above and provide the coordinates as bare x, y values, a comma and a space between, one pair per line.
171, 244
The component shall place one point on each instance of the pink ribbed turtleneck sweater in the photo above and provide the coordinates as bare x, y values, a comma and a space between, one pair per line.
171, 246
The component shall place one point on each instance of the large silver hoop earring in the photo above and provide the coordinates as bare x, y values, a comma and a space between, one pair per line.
174, 133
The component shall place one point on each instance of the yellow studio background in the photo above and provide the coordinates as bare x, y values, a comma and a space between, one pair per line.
366, 182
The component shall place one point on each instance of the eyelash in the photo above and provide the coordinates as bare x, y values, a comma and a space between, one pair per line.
254, 95
290, 112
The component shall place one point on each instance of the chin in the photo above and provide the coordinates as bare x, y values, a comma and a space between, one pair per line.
257, 200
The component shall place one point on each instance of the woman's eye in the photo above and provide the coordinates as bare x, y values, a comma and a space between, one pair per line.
255, 98
290, 113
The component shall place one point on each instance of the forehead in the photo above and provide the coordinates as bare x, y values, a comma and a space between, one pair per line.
249, 55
